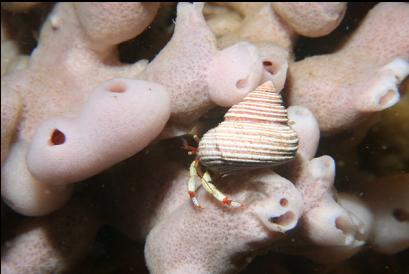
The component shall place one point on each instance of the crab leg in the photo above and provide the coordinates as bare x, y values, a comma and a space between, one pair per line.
191, 185
211, 188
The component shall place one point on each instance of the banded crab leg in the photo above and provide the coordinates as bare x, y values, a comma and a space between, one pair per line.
191, 185
220, 196
206, 180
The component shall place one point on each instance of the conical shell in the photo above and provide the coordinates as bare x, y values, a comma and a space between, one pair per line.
254, 134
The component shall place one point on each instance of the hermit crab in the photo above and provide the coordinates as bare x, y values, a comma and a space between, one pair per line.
255, 134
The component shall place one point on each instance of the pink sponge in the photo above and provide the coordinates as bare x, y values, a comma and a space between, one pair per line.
78, 44
307, 128
276, 23
109, 24
344, 87
70, 60
23, 193
120, 118
198, 75
325, 221
227, 89
222, 240
54, 243
311, 19
11, 108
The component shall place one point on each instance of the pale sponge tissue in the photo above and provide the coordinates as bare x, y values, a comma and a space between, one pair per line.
120, 117
24, 193
207, 241
361, 78
53, 243
276, 23
33, 98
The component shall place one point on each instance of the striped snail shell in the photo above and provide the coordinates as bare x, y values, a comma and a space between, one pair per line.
254, 134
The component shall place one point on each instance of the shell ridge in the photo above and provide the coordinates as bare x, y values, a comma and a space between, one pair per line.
254, 134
